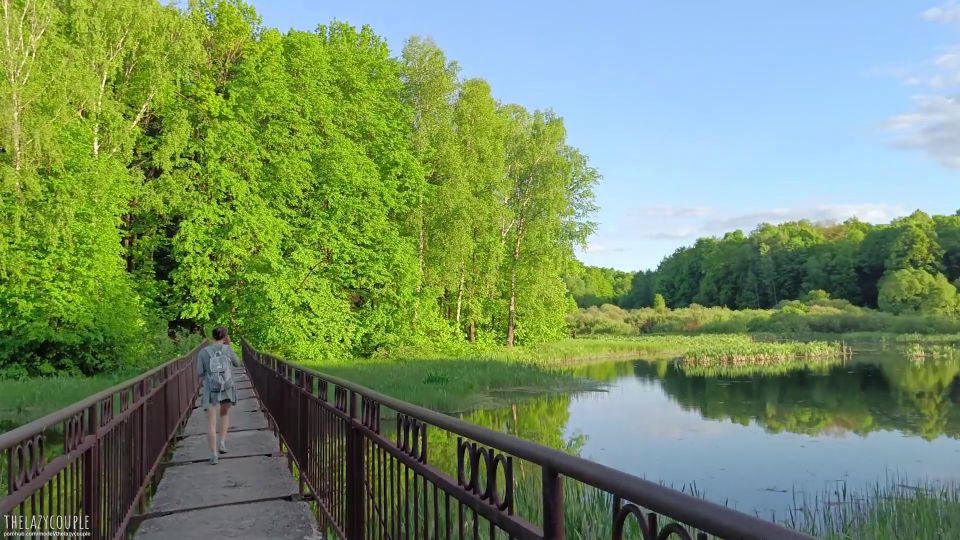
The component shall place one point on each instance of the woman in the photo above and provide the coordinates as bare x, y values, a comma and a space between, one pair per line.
214, 366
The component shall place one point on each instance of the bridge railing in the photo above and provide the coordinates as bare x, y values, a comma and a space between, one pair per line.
379, 467
86, 468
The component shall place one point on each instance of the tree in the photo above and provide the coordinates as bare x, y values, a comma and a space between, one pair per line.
481, 139
642, 287
442, 213
659, 303
948, 236
915, 248
917, 291
594, 286
550, 195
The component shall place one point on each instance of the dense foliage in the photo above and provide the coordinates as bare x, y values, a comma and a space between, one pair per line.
172, 168
908, 266
814, 314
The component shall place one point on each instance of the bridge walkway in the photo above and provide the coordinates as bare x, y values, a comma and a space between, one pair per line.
249, 494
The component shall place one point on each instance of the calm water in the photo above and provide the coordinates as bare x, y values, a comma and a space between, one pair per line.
750, 441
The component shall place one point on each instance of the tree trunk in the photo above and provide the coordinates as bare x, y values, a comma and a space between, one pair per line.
513, 305
423, 245
511, 315
472, 332
463, 278
15, 133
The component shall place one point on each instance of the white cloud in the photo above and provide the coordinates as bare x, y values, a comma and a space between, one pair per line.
947, 13
711, 222
596, 248
933, 127
948, 60
670, 211
874, 213
677, 234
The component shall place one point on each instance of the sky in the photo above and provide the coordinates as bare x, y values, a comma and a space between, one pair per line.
704, 117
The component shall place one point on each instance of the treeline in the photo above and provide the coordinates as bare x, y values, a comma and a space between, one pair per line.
166, 169
814, 314
910, 265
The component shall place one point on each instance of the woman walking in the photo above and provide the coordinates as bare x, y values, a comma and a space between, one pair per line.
215, 368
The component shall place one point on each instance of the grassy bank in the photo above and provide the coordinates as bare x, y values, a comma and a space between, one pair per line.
456, 384
467, 378
794, 318
888, 510
25, 400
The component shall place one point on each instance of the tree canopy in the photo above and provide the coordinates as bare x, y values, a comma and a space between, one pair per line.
169, 168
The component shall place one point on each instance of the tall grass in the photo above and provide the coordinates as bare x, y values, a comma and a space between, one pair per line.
477, 378
891, 509
716, 370
791, 318
456, 385
936, 351
26, 399
742, 350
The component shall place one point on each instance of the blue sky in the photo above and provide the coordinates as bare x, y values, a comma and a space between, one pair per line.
709, 116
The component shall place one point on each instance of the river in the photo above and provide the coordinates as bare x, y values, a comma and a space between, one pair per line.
758, 442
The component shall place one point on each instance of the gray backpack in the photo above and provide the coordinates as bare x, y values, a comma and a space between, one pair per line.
220, 374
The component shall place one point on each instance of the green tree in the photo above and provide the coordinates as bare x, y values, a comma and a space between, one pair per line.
549, 199
642, 287
442, 214
916, 248
481, 140
917, 291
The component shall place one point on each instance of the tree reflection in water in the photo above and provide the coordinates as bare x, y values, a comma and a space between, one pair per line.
863, 395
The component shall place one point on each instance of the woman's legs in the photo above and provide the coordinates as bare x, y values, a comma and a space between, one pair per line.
212, 427
224, 421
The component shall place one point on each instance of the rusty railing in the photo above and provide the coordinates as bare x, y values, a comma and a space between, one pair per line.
96, 461
378, 467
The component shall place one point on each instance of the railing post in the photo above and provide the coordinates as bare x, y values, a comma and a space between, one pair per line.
552, 504
355, 469
142, 458
91, 472
303, 429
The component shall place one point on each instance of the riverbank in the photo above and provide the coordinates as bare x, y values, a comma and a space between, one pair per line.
473, 377
814, 316
466, 377
25, 400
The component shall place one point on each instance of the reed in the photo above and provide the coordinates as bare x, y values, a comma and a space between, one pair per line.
889, 509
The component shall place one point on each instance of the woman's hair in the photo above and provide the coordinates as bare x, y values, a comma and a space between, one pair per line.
219, 332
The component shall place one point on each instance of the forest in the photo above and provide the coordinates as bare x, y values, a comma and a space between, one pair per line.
167, 168
910, 266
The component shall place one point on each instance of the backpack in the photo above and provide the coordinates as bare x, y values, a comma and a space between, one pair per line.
220, 374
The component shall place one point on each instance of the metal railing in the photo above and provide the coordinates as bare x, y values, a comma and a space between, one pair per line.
462, 480
96, 460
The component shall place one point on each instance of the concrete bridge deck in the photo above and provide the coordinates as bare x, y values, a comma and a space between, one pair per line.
250, 494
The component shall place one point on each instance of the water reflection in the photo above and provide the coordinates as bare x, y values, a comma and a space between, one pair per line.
861, 396
751, 440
